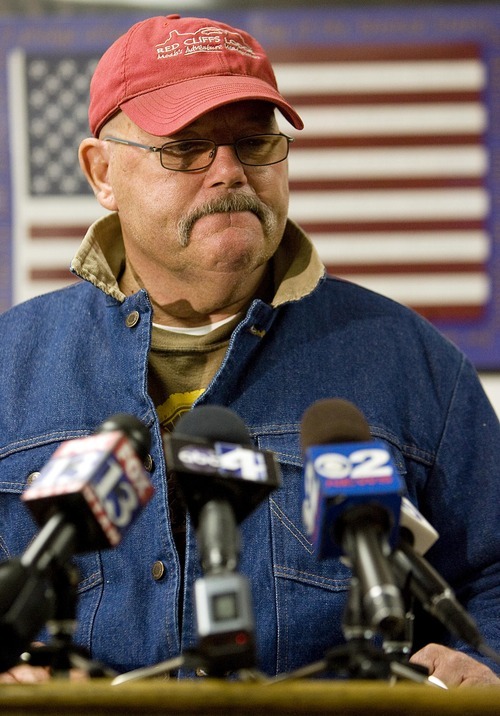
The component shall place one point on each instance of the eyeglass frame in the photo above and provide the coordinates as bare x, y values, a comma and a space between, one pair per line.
129, 142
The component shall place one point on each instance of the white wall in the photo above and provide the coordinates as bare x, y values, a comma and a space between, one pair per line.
491, 383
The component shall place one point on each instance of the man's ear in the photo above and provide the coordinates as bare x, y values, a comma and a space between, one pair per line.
94, 161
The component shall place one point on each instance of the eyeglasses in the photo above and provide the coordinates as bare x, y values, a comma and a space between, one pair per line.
190, 155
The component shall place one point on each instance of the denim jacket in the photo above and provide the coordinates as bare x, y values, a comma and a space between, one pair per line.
72, 358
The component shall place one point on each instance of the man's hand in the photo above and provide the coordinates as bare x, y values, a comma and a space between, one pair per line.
454, 668
25, 674
28, 674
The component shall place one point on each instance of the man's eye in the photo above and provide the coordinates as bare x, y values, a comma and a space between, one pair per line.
255, 143
184, 149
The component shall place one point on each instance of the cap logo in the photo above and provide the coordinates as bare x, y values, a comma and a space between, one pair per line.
206, 39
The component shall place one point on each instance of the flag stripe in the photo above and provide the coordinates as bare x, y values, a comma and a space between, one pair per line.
66, 231
427, 289
54, 274
401, 183
451, 162
391, 120
381, 76
445, 312
373, 248
418, 204
442, 311
424, 267
370, 140
387, 52
345, 98
391, 226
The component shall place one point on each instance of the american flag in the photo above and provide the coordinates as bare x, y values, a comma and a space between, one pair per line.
388, 177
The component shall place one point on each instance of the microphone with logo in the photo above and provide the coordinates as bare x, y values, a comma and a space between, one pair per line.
85, 498
351, 505
222, 478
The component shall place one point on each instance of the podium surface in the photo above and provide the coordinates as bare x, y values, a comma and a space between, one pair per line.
210, 696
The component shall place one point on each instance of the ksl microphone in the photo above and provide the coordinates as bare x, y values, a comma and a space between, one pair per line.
415, 528
351, 504
417, 576
222, 478
85, 499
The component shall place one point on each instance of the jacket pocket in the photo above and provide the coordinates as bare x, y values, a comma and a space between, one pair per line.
310, 593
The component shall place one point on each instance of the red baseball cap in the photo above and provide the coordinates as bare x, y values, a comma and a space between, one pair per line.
167, 71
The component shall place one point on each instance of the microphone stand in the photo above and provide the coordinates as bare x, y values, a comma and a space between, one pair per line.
191, 659
61, 655
359, 658
224, 617
40, 588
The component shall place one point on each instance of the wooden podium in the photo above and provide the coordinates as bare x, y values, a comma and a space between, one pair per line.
209, 696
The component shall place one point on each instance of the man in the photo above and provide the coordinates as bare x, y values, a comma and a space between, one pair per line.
198, 290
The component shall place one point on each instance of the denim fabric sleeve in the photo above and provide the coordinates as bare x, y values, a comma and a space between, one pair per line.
461, 500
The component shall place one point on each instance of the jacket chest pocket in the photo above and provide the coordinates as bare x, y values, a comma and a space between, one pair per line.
310, 594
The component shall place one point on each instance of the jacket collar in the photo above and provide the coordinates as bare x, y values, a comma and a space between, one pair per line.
100, 259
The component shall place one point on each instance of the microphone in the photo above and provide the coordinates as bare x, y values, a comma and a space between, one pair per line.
213, 456
85, 499
222, 478
415, 528
423, 535
417, 576
93, 487
351, 504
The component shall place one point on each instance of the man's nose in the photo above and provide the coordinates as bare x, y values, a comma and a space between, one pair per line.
226, 165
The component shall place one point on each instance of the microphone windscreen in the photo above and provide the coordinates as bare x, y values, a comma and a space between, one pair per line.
333, 420
213, 423
133, 428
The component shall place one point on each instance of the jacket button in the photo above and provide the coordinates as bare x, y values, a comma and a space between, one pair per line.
259, 332
158, 570
149, 463
32, 477
132, 319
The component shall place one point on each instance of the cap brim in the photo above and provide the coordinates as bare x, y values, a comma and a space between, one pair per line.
167, 110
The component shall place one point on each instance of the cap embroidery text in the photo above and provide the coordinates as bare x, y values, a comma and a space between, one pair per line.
207, 39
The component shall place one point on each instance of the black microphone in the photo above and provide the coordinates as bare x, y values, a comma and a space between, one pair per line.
423, 536
222, 478
213, 456
85, 499
352, 497
418, 576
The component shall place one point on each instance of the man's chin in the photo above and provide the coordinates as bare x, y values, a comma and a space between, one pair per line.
237, 225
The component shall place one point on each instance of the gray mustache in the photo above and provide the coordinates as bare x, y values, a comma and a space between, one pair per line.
223, 205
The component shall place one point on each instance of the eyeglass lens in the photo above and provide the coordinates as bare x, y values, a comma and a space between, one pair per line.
191, 154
